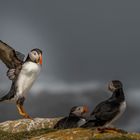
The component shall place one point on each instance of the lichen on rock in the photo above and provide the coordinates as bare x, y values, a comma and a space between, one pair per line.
42, 129
27, 124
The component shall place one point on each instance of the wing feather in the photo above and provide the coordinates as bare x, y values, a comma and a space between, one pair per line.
8, 56
105, 111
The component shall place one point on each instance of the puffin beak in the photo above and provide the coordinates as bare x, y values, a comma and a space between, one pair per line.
85, 109
40, 61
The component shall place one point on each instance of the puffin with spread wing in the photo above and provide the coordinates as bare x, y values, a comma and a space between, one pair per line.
22, 73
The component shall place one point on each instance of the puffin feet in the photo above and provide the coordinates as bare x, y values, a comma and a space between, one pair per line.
22, 112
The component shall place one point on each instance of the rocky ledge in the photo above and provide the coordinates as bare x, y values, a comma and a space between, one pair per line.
23, 125
42, 129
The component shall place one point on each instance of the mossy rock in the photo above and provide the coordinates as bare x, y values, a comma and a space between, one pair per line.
27, 124
86, 134
42, 129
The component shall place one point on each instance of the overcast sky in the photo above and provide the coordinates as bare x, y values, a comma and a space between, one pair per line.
81, 40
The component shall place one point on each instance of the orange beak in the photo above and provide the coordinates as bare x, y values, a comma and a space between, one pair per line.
85, 110
40, 60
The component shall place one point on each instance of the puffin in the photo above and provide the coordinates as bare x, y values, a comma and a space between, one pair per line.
75, 119
108, 111
22, 74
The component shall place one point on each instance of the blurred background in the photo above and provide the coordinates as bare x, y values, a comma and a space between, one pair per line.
85, 44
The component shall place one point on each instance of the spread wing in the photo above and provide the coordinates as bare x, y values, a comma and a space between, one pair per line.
105, 111
11, 58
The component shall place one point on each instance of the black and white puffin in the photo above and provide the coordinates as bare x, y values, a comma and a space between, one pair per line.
75, 119
22, 73
107, 112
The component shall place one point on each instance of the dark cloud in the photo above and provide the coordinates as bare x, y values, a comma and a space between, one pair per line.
82, 40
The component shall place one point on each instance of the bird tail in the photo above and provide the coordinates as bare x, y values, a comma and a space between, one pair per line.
10, 94
94, 123
89, 124
5, 97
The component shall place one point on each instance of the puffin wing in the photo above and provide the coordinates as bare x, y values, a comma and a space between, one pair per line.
20, 56
61, 124
105, 111
11, 58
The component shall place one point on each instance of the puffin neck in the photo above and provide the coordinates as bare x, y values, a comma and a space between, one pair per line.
28, 59
118, 94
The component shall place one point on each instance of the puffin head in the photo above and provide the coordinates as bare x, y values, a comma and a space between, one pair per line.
35, 55
78, 110
114, 85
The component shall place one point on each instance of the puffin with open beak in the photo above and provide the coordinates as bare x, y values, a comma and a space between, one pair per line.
75, 119
22, 73
107, 112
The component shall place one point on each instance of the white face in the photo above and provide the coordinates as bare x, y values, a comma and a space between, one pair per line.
114, 85
79, 111
111, 87
34, 56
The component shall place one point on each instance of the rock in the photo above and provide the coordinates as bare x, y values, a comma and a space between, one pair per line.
86, 134
42, 129
27, 124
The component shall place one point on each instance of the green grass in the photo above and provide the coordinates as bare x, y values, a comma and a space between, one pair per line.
24, 135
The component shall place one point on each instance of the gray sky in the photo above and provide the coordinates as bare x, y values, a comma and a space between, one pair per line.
83, 41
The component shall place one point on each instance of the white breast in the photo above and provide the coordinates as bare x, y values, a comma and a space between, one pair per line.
122, 109
26, 78
81, 122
